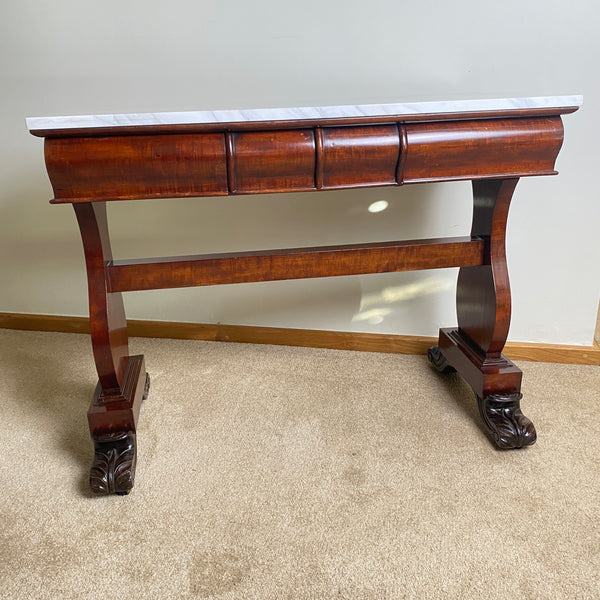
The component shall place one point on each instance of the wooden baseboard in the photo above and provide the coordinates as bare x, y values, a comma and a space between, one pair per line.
338, 340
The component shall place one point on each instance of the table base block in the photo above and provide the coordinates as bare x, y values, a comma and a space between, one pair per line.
496, 382
112, 420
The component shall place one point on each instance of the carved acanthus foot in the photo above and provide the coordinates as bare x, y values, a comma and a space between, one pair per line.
502, 415
438, 360
113, 467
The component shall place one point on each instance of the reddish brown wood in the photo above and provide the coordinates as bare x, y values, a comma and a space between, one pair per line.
142, 166
107, 313
294, 263
496, 383
230, 152
272, 161
113, 425
360, 156
177, 165
483, 303
319, 158
481, 149
120, 411
485, 375
114, 409
483, 309
403, 153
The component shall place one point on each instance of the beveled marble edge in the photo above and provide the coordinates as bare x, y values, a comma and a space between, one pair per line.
300, 114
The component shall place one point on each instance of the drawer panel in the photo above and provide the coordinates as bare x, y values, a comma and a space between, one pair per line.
480, 149
360, 156
272, 161
137, 166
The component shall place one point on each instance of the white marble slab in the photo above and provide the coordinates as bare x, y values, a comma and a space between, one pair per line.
300, 114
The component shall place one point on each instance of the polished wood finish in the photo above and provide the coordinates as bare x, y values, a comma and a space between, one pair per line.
481, 149
293, 263
116, 403
501, 414
360, 156
107, 313
487, 286
88, 167
483, 307
113, 430
271, 161
496, 383
137, 166
309, 338
298, 160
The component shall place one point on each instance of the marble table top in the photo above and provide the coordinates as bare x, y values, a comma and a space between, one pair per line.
409, 111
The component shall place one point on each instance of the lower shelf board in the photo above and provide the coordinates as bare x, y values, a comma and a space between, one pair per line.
311, 338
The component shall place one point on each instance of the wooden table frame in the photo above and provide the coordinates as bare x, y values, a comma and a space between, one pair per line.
93, 162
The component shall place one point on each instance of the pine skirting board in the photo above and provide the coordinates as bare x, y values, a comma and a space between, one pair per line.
339, 340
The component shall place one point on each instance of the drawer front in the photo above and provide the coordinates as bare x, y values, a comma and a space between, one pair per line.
272, 161
137, 166
481, 149
360, 156
210, 164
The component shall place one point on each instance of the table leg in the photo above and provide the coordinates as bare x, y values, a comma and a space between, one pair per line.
122, 379
483, 304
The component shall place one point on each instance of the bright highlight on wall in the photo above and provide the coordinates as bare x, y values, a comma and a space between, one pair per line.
378, 206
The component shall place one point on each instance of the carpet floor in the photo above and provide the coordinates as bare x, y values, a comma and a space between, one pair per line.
271, 472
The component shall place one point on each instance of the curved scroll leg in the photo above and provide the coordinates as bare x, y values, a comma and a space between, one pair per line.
123, 382
503, 418
439, 361
113, 467
483, 307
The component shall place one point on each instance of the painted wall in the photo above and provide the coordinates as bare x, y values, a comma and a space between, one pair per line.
78, 57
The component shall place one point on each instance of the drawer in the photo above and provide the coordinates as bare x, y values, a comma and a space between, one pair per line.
481, 149
272, 161
359, 156
137, 166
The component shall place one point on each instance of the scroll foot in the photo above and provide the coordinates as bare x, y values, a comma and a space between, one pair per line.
502, 416
438, 360
113, 467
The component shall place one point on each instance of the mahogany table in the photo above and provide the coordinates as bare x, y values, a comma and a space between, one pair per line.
94, 159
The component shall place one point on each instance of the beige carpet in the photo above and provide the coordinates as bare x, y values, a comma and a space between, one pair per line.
294, 473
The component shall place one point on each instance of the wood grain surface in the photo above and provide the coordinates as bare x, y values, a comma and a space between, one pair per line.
284, 336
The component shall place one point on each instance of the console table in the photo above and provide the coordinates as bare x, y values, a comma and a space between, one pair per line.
95, 159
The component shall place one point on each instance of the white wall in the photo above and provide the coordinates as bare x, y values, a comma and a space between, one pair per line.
79, 57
